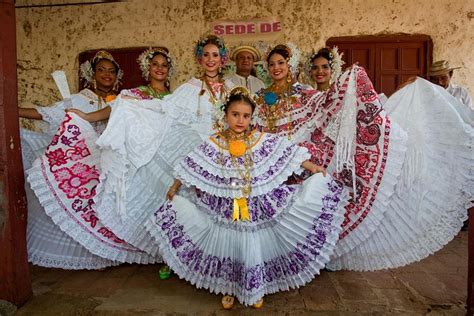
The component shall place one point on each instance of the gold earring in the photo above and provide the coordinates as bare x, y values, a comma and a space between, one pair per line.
94, 84
288, 77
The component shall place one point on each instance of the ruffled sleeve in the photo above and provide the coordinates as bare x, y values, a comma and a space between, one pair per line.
210, 167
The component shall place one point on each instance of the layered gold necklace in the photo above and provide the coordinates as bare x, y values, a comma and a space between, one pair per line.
155, 93
104, 97
277, 104
239, 145
213, 98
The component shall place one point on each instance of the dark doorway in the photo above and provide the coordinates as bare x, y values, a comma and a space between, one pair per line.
389, 59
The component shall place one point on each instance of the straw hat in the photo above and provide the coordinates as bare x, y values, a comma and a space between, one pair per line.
441, 67
245, 48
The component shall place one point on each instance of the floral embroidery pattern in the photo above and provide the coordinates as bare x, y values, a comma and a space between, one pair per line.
372, 140
73, 179
235, 273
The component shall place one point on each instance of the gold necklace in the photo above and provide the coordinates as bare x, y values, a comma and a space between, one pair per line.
155, 93
101, 99
212, 96
239, 145
281, 107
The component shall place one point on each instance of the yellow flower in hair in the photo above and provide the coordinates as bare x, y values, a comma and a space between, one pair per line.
237, 148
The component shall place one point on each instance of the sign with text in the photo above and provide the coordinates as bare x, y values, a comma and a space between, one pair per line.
269, 28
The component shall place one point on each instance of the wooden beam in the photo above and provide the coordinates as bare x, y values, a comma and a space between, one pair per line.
15, 282
66, 4
470, 265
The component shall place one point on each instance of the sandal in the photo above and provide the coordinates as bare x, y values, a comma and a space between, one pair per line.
227, 302
165, 272
258, 304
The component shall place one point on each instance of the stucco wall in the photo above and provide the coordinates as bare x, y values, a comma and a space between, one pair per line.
51, 38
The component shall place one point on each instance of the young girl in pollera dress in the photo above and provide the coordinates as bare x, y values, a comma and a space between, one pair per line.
236, 228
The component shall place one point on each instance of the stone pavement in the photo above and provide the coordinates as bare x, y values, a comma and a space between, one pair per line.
434, 286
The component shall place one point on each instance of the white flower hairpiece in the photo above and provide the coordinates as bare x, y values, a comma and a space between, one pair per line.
145, 58
335, 63
87, 72
295, 57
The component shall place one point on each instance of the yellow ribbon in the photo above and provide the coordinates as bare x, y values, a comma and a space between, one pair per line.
241, 210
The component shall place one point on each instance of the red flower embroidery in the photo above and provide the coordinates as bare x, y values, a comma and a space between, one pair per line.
90, 217
78, 181
54, 141
79, 151
56, 157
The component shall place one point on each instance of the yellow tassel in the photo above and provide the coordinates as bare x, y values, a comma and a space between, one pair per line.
235, 214
241, 210
244, 209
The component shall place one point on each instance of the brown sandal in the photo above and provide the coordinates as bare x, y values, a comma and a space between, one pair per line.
227, 302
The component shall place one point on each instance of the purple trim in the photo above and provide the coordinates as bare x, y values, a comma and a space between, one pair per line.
233, 272
216, 157
262, 208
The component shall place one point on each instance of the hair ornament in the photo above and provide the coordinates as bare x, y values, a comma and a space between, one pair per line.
335, 63
145, 58
87, 70
212, 39
294, 55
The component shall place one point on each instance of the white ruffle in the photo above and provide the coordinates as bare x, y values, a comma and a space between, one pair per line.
128, 193
391, 175
53, 206
50, 247
292, 164
33, 145
252, 247
429, 203
187, 106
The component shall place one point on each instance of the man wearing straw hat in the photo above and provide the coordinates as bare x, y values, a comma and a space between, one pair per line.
441, 73
245, 56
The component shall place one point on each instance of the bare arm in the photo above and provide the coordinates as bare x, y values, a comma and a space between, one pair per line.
313, 168
29, 113
95, 116
173, 189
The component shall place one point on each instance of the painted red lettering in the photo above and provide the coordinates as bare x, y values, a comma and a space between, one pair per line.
239, 29
250, 28
265, 27
229, 29
219, 29
276, 27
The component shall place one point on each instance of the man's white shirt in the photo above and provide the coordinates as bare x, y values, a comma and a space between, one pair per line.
253, 84
461, 94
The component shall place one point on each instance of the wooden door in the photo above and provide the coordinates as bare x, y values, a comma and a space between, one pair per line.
389, 60
15, 283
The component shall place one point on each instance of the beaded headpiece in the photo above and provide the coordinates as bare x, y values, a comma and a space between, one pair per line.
212, 39
87, 69
145, 58
335, 62
294, 55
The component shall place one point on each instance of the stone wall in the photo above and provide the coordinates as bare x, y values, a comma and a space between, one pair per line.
50, 38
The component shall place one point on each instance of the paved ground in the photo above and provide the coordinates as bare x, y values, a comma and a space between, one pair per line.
434, 286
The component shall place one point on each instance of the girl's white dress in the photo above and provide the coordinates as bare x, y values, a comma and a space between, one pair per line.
289, 238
